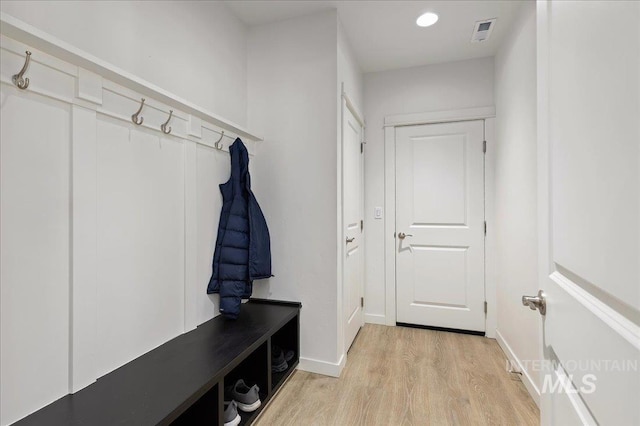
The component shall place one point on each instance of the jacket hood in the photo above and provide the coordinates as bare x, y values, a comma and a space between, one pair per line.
240, 164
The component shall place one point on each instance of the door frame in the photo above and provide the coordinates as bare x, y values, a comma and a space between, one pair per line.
348, 105
487, 114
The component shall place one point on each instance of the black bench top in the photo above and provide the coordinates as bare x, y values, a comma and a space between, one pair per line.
158, 386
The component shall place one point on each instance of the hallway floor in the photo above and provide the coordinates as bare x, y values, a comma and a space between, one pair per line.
408, 376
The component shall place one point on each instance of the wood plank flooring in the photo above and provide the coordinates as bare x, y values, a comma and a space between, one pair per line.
408, 376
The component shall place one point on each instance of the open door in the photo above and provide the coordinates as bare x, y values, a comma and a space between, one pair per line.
352, 222
589, 195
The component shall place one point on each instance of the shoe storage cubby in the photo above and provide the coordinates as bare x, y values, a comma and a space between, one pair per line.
182, 382
205, 410
287, 340
254, 370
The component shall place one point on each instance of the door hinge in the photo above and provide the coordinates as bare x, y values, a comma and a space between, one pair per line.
484, 146
361, 147
361, 225
362, 302
485, 306
485, 228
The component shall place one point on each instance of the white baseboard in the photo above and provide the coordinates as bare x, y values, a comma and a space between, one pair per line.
526, 376
375, 319
322, 367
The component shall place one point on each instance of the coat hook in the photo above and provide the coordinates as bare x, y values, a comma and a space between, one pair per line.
18, 79
135, 118
218, 145
163, 127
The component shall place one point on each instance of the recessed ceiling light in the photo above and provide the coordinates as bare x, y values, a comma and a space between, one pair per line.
427, 19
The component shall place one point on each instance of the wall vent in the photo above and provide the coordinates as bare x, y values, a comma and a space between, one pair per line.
482, 30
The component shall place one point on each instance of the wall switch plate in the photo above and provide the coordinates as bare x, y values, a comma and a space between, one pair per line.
377, 213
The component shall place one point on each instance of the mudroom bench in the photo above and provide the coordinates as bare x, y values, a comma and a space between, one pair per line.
182, 381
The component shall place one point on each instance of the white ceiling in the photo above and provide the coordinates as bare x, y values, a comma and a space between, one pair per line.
383, 34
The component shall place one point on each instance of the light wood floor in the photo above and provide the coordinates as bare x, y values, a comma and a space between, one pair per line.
408, 376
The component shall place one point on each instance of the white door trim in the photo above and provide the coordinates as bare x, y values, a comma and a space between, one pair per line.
391, 122
433, 117
352, 107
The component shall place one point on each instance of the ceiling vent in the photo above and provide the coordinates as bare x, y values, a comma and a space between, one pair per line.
482, 30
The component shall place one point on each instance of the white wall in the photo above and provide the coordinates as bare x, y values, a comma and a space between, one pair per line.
349, 71
296, 69
515, 192
292, 80
455, 85
194, 49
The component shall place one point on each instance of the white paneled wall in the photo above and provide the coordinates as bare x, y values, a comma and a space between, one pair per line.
108, 228
34, 250
140, 241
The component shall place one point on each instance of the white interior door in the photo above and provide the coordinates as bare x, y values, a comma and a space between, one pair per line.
589, 184
440, 209
353, 266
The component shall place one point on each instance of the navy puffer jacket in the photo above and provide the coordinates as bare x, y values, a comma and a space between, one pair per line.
243, 252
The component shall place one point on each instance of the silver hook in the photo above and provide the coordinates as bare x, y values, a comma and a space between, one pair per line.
134, 117
18, 79
163, 127
218, 145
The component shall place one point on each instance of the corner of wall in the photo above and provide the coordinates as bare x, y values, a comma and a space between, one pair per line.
292, 80
323, 367
515, 205
517, 366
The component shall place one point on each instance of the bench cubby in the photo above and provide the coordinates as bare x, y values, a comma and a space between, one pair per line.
182, 381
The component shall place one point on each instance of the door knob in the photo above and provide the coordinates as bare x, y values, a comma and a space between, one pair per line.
538, 302
350, 240
402, 235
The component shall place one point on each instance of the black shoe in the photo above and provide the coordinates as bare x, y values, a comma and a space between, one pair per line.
288, 356
278, 361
